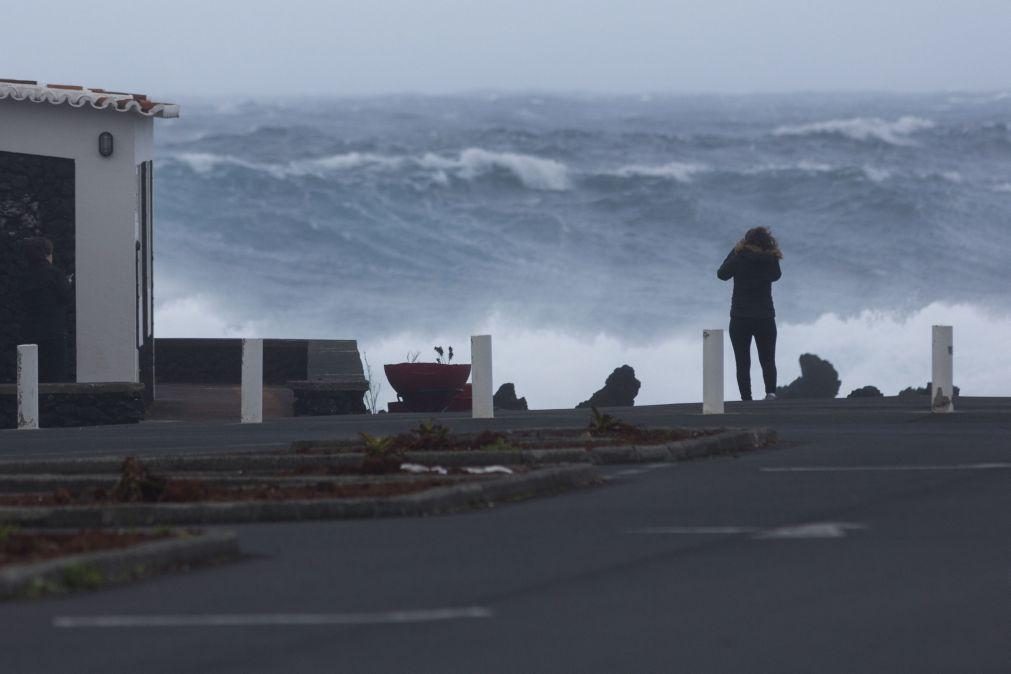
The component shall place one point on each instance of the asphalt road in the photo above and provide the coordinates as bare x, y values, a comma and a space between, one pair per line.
876, 538
164, 437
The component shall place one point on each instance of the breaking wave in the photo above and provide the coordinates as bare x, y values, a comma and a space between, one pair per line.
863, 129
680, 171
536, 173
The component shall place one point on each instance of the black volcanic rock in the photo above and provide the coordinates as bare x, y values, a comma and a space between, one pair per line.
818, 379
505, 398
72, 404
866, 392
619, 390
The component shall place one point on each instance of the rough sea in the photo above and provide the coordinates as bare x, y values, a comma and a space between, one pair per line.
584, 232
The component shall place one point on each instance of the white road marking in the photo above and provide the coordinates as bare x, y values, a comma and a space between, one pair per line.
695, 530
816, 530
265, 619
857, 469
644, 469
810, 530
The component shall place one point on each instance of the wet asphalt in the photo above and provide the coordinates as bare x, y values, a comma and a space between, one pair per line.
874, 538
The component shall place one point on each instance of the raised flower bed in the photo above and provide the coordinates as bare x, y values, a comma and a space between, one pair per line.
430, 387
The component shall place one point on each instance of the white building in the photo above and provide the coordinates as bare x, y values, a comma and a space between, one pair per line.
109, 137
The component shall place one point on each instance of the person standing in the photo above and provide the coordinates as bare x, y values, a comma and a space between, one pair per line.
45, 296
754, 266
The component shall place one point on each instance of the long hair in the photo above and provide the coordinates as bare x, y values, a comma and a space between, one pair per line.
760, 240
37, 249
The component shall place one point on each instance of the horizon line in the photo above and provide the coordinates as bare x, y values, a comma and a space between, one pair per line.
998, 94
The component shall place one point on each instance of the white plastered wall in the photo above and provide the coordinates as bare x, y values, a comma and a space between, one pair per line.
106, 204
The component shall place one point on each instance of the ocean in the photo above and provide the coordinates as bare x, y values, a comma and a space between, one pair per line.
584, 232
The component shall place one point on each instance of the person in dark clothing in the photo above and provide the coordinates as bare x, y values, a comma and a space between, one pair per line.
754, 266
45, 296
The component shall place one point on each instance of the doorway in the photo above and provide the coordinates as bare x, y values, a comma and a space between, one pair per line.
36, 199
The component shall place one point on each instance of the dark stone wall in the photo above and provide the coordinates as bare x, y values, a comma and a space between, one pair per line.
36, 199
219, 361
321, 399
78, 404
338, 387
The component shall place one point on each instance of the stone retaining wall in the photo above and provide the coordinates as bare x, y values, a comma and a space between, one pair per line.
219, 361
326, 398
78, 404
325, 375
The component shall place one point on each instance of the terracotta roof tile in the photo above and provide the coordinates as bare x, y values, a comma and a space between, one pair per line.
78, 96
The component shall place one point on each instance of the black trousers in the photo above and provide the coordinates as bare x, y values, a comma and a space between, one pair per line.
764, 332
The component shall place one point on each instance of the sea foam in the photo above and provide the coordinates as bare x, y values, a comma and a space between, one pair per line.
534, 172
205, 162
679, 171
553, 368
863, 129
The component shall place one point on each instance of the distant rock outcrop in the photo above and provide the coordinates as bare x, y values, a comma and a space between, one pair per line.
505, 398
866, 392
619, 390
818, 379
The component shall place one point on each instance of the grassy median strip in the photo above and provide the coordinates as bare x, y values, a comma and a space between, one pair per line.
36, 563
426, 471
482, 492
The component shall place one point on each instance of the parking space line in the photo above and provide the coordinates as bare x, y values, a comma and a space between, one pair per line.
714, 531
645, 468
273, 619
792, 531
857, 469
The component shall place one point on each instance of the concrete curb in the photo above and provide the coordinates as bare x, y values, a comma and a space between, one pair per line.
729, 441
432, 502
43, 483
97, 569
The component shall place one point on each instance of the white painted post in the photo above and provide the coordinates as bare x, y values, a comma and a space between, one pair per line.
28, 387
942, 392
712, 372
482, 403
252, 381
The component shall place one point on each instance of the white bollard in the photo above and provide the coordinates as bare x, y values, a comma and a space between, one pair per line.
482, 403
712, 372
252, 381
942, 392
28, 387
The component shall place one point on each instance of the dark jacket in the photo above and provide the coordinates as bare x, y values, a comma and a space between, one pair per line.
45, 296
753, 271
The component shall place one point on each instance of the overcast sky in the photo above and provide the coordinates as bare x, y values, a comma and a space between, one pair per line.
335, 47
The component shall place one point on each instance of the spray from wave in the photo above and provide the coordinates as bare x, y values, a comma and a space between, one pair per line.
555, 369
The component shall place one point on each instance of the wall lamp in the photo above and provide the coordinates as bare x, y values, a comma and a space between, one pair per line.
105, 144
